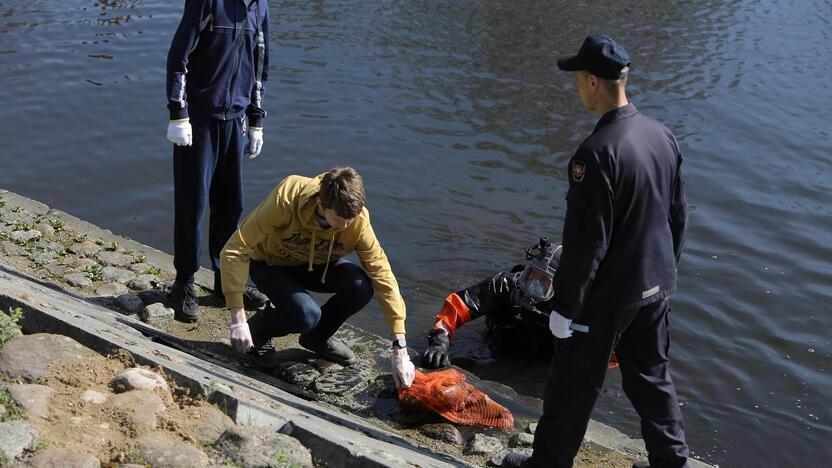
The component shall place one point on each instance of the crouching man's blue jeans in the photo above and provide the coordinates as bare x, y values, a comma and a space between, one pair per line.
295, 311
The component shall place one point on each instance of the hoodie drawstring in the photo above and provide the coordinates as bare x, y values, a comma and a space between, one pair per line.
312, 249
328, 256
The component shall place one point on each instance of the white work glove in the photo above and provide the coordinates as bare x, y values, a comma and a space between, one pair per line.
255, 142
241, 337
559, 325
180, 133
403, 370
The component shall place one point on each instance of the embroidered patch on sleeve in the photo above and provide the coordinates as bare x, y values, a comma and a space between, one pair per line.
577, 171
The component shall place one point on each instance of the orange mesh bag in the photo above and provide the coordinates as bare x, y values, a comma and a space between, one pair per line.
447, 394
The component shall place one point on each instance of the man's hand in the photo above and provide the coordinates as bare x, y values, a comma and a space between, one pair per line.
240, 333
180, 133
403, 370
436, 356
559, 325
255, 142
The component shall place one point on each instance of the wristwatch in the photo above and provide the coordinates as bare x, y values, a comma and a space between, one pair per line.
399, 343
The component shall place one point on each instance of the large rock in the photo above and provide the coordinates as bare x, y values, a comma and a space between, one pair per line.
110, 290
482, 444
130, 303
29, 357
85, 248
444, 432
10, 248
160, 451
521, 439
211, 424
45, 228
140, 268
84, 263
142, 282
42, 258
57, 268
114, 258
49, 246
16, 436
139, 379
25, 236
251, 447
113, 274
54, 457
156, 313
140, 406
79, 280
33, 398
532, 428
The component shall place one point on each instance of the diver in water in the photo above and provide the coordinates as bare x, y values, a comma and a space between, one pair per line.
513, 302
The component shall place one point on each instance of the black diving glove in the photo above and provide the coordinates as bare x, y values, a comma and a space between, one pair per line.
436, 356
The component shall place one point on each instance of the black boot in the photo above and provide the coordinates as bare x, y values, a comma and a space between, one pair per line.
331, 349
252, 298
182, 298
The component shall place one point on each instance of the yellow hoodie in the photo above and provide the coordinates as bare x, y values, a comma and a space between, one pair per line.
282, 229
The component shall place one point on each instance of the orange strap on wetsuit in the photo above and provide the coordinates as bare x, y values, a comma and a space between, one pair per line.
453, 315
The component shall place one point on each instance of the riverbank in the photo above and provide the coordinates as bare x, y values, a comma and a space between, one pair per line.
74, 279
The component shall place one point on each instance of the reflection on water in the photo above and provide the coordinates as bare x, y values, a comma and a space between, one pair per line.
455, 114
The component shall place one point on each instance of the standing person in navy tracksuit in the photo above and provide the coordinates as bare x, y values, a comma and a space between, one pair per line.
217, 64
622, 238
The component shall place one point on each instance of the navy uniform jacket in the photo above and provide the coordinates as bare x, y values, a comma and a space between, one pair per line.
219, 60
625, 217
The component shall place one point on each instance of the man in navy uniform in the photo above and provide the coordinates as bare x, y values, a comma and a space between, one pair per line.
217, 64
622, 238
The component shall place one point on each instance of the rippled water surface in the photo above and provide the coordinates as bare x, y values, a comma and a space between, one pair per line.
462, 127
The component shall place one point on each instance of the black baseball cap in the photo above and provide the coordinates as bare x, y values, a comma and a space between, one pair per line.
599, 55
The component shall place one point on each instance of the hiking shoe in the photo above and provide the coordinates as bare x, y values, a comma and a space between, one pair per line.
515, 459
253, 299
182, 298
332, 349
265, 356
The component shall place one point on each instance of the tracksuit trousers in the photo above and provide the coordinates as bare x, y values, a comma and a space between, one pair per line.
295, 311
641, 341
210, 170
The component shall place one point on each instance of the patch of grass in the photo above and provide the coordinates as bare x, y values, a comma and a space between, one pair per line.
140, 259
229, 462
4, 236
17, 209
10, 326
13, 412
21, 226
57, 225
3, 459
154, 271
94, 272
209, 389
79, 238
112, 246
2, 203
39, 445
284, 462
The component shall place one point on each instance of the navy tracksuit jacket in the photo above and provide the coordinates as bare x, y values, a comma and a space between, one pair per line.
217, 64
219, 59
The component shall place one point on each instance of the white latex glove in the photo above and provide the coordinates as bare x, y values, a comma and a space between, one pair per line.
180, 133
255, 142
241, 337
403, 370
559, 325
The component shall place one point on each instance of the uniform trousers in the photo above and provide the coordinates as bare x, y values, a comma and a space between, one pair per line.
641, 340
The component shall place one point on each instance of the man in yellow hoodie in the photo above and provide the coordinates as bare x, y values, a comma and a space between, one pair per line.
295, 242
